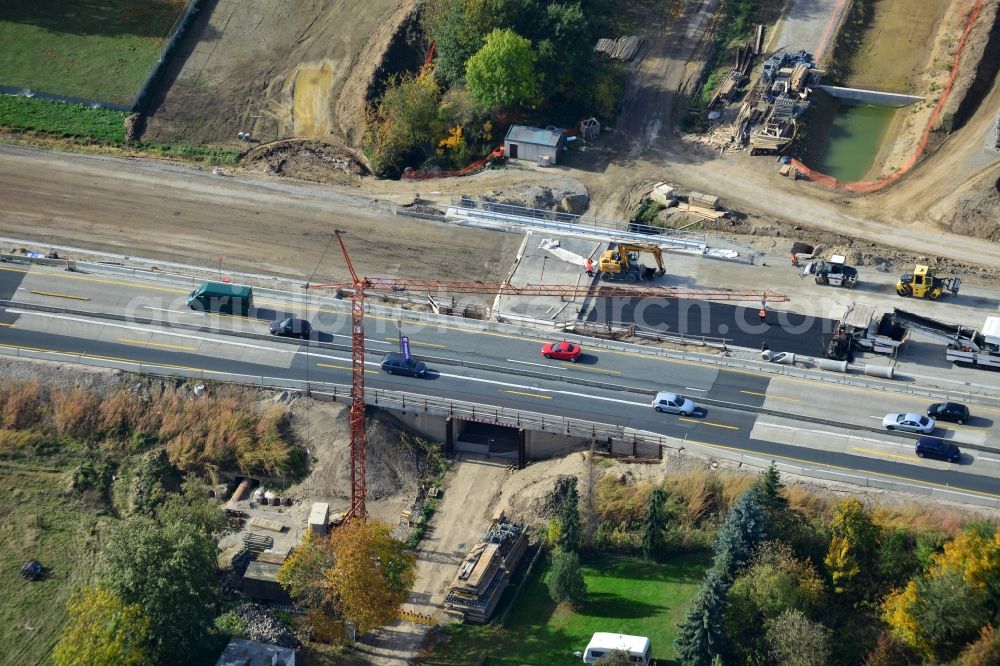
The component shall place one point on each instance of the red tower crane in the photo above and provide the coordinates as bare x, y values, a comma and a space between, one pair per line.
359, 285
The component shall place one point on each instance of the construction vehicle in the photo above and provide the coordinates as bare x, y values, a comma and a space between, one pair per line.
622, 263
966, 346
924, 283
834, 272
860, 329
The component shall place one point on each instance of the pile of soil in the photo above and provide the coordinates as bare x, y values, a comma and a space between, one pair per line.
310, 160
977, 209
574, 201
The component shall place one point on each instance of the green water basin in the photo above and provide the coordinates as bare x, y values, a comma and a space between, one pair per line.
845, 137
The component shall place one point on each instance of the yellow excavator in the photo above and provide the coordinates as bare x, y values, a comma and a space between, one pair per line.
924, 283
622, 263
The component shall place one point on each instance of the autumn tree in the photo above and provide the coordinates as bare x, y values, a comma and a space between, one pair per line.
653, 524
169, 572
701, 635
795, 640
403, 124
984, 651
851, 557
565, 580
569, 518
101, 629
502, 73
303, 573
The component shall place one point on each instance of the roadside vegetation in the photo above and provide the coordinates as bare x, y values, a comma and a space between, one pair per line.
100, 51
82, 125
106, 490
495, 63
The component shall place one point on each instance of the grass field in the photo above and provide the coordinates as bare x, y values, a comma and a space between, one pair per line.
40, 522
624, 595
70, 120
93, 49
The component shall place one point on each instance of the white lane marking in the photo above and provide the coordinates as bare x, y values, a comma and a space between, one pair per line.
494, 382
541, 365
691, 388
990, 459
835, 434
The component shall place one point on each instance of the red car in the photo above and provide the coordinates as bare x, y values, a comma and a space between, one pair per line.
563, 351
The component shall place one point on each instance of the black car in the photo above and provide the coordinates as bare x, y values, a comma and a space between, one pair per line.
955, 412
395, 364
933, 447
291, 328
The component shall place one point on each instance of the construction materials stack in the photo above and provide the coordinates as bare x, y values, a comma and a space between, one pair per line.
484, 573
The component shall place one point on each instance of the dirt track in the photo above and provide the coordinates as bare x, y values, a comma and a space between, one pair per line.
187, 215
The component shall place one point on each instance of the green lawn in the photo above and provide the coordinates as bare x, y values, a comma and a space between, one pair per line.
40, 522
624, 594
94, 49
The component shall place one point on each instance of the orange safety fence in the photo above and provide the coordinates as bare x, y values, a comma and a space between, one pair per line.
411, 174
864, 187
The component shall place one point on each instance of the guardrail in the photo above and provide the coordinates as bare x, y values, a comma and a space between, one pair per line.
984, 395
638, 443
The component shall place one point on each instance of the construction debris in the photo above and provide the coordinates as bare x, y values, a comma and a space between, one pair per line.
266, 524
262, 625
31, 570
768, 115
257, 543
484, 573
623, 48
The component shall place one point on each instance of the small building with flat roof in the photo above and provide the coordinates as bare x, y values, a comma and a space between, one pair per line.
260, 583
534, 144
241, 652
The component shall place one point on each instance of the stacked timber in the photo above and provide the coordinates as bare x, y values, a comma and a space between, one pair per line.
484, 573
623, 48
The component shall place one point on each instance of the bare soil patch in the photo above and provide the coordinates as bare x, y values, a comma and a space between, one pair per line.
274, 69
306, 159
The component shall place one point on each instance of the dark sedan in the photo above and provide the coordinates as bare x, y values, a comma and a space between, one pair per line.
397, 364
933, 447
955, 412
291, 328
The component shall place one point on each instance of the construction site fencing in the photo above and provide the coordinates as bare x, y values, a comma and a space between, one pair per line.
864, 187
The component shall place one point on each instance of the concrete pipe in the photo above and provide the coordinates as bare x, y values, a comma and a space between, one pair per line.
785, 358
767, 355
830, 364
883, 371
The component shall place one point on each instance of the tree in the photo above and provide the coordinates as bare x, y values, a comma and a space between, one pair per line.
101, 629
740, 534
569, 518
701, 635
372, 574
851, 556
888, 651
169, 571
985, 651
654, 523
615, 658
192, 506
566, 579
975, 555
502, 73
948, 613
403, 124
303, 573
795, 640
897, 562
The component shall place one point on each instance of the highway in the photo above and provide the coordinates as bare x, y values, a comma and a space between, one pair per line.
608, 386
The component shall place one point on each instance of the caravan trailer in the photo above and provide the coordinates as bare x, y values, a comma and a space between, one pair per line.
601, 643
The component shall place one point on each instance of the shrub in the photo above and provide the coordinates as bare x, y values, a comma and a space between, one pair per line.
22, 404
565, 580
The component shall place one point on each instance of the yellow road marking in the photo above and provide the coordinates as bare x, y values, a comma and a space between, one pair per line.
708, 423
7, 325
846, 469
419, 344
84, 278
954, 426
883, 453
157, 344
343, 367
772, 397
58, 295
530, 395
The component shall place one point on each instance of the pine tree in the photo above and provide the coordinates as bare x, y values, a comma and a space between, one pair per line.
653, 524
769, 490
569, 518
701, 635
740, 535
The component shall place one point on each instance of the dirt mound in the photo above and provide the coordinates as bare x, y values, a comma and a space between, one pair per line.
305, 159
394, 466
977, 210
977, 69
575, 201
530, 495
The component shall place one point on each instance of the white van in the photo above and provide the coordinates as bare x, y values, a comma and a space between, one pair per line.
601, 643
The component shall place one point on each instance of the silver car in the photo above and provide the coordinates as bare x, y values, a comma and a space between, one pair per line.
674, 404
909, 422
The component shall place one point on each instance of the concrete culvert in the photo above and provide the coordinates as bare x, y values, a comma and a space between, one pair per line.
802, 248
